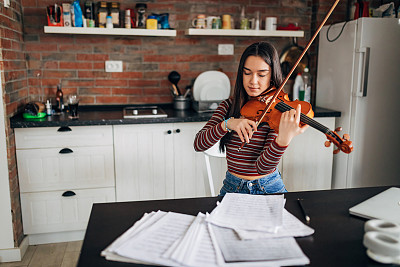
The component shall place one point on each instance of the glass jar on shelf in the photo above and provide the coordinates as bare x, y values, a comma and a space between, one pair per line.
141, 15
114, 12
102, 13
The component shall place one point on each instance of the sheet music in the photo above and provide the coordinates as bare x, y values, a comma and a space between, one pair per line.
152, 242
291, 227
174, 239
249, 212
195, 248
145, 221
278, 251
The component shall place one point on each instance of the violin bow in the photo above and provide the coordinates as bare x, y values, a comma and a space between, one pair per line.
265, 111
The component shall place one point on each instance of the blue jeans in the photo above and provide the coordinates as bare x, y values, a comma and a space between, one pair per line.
269, 184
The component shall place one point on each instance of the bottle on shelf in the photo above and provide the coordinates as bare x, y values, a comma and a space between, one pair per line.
109, 23
307, 85
59, 99
128, 24
244, 22
298, 87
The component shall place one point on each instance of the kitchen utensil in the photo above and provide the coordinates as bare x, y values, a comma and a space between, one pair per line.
186, 93
174, 78
206, 80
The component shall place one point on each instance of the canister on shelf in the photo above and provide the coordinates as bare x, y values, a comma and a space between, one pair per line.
151, 23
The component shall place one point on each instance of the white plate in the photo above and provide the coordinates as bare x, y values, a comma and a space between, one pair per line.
214, 91
204, 82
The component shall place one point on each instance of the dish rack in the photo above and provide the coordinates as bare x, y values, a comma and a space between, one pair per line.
206, 106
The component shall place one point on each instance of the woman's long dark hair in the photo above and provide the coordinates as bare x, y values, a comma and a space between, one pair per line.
269, 54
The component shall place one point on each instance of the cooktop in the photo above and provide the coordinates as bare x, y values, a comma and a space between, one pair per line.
140, 112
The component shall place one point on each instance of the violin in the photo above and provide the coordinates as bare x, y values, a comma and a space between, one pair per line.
268, 107
255, 107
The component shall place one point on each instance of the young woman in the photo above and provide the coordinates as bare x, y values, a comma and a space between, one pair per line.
253, 169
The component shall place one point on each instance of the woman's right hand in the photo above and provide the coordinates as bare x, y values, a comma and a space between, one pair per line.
244, 128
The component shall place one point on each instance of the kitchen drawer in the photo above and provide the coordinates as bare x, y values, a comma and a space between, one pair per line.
80, 167
47, 212
46, 137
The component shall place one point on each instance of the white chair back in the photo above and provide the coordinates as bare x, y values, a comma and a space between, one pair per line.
212, 152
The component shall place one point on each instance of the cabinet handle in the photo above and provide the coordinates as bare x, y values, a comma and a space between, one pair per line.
178, 130
64, 129
68, 194
169, 132
65, 151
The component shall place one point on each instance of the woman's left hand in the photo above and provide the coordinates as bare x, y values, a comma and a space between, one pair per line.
289, 126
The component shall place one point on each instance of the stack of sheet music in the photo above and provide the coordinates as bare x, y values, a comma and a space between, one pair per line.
245, 230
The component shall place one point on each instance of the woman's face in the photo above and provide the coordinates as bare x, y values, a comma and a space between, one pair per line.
256, 76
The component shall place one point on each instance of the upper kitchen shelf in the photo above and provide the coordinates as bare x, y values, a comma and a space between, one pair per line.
105, 31
238, 32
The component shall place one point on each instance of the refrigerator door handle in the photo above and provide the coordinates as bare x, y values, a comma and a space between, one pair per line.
364, 60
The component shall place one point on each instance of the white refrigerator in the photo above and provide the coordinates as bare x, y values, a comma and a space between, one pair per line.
359, 75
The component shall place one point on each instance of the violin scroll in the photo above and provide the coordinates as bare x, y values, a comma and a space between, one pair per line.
343, 144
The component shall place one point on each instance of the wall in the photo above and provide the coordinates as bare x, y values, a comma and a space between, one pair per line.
33, 63
77, 61
15, 93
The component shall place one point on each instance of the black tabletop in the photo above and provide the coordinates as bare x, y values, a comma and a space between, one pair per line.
337, 240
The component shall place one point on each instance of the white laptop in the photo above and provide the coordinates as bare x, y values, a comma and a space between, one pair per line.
385, 206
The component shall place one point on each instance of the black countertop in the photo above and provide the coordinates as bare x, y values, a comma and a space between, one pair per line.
112, 115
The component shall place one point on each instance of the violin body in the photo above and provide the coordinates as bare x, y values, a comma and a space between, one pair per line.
253, 109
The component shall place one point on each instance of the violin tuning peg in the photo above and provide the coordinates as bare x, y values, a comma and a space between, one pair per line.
346, 137
327, 143
336, 151
338, 129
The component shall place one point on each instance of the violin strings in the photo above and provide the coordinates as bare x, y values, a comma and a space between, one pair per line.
281, 106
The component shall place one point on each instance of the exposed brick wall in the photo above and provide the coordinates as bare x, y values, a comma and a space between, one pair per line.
15, 94
77, 61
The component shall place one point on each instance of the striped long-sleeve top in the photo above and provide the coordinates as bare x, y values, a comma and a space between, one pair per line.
259, 157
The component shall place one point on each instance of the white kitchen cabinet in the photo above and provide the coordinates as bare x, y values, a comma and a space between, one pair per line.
62, 171
307, 163
158, 161
56, 211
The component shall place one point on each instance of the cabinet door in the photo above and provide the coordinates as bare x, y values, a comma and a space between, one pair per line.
307, 163
191, 178
65, 168
57, 211
144, 163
